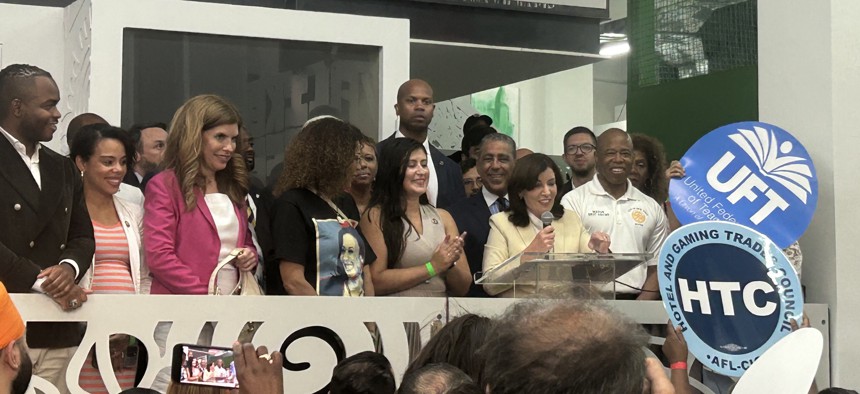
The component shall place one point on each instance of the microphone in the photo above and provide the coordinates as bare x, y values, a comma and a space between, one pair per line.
547, 218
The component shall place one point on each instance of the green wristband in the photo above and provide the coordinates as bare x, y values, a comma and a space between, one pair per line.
430, 269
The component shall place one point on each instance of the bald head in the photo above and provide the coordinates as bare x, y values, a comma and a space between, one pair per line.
415, 108
523, 152
407, 86
79, 121
611, 134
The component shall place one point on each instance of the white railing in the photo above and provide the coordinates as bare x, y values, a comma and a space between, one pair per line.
282, 316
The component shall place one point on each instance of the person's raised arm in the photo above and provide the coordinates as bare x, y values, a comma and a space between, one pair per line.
257, 371
675, 349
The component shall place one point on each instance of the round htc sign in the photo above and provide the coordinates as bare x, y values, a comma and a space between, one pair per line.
731, 290
751, 173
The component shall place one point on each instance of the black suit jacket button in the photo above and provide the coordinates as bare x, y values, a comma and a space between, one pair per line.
16, 207
66, 210
62, 246
32, 244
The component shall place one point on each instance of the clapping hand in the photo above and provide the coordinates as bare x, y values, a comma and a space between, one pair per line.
599, 242
447, 253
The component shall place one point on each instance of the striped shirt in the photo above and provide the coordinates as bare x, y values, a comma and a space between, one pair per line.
111, 275
112, 270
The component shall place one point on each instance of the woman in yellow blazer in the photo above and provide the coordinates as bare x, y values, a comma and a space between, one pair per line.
532, 189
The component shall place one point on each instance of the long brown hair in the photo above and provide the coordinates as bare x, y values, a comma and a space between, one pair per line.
185, 145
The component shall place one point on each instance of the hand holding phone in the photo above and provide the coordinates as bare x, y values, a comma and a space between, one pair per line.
259, 372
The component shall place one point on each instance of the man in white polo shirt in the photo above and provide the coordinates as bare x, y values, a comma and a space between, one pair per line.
635, 222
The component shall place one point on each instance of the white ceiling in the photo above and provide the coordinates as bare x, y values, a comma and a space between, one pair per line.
458, 69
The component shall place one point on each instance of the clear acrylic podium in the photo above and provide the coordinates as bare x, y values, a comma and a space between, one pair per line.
560, 275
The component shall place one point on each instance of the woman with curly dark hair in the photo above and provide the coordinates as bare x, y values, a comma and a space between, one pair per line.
649, 167
650, 173
318, 249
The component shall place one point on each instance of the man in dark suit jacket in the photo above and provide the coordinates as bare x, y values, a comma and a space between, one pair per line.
150, 140
472, 215
47, 243
415, 108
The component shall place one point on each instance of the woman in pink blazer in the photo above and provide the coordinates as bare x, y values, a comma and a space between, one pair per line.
195, 208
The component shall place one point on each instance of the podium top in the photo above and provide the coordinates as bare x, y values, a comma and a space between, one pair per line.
523, 264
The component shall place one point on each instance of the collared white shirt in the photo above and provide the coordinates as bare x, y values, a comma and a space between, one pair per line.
537, 224
32, 162
491, 198
635, 224
433, 180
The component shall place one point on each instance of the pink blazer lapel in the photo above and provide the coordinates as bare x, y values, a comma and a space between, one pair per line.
204, 210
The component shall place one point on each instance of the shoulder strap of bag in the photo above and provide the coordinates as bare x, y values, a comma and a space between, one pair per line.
213, 287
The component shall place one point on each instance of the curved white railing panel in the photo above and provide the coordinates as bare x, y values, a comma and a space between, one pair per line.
340, 321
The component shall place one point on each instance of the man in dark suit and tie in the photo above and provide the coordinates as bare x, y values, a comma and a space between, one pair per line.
415, 108
496, 156
150, 139
47, 243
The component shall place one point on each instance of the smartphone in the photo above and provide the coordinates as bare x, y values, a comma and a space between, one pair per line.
204, 366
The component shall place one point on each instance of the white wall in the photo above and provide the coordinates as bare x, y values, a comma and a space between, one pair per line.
610, 90
34, 35
553, 104
809, 84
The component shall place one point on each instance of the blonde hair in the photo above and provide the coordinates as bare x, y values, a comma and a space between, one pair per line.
185, 145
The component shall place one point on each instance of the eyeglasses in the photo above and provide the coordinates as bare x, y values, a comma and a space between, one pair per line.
584, 148
470, 182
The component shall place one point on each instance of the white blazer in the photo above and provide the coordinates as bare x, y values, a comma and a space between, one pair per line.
130, 213
506, 241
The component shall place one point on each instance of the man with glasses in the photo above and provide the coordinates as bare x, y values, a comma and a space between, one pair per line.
579, 146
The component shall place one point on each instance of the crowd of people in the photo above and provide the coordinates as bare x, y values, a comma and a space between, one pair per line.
154, 209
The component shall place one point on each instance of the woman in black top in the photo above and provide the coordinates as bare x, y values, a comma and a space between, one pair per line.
318, 249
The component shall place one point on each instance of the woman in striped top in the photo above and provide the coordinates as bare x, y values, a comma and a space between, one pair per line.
103, 154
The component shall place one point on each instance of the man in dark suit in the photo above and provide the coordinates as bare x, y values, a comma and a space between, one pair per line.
150, 139
47, 240
415, 108
496, 156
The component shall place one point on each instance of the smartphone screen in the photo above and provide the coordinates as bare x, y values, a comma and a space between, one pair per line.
204, 366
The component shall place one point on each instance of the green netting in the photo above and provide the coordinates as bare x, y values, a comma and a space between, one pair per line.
676, 39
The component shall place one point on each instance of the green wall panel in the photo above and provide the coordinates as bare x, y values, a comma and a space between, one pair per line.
679, 112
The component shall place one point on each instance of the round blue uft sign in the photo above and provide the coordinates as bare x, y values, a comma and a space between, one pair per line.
751, 173
731, 290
